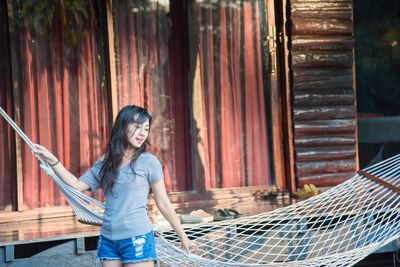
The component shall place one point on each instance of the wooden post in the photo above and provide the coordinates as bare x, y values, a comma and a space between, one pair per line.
196, 102
17, 116
287, 121
276, 100
111, 57
355, 90
20, 180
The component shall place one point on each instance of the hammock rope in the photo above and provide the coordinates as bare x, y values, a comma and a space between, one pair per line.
336, 228
88, 210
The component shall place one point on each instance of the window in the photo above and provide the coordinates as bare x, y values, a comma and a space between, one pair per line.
230, 99
377, 51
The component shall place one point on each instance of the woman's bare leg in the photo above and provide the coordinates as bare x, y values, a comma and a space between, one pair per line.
140, 264
112, 263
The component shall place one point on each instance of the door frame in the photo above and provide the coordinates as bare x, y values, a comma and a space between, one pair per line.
281, 112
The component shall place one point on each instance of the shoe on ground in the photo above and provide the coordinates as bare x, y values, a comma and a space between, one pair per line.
201, 213
220, 215
190, 219
306, 191
233, 212
271, 195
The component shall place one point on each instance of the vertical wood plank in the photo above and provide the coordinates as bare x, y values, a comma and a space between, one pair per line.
196, 102
355, 105
17, 119
287, 122
199, 159
20, 180
111, 57
355, 93
276, 108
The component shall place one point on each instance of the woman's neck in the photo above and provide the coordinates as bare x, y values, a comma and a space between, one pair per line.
129, 153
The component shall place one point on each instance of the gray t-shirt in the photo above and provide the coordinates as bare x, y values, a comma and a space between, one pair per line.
125, 214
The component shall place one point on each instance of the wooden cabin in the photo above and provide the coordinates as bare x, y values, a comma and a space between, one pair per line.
247, 97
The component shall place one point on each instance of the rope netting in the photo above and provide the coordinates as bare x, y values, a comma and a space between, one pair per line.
336, 228
88, 210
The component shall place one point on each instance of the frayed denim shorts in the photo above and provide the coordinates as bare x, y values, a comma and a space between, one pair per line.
136, 249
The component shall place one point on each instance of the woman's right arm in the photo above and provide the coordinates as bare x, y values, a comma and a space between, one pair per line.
59, 169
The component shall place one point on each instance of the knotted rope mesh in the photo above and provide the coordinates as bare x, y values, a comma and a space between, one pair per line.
88, 210
336, 228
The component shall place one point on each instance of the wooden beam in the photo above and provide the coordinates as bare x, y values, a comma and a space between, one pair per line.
325, 140
379, 181
20, 180
325, 179
317, 59
286, 97
317, 127
325, 42
324, 112
196, 104
327, 97
322, 9
323, 26
36, 214
322, 78
217, 194
111, 57
355, 101
308, 154
17, 116
342, 15
276, 105
331, 166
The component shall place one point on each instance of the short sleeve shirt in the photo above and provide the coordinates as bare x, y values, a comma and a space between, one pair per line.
125, 214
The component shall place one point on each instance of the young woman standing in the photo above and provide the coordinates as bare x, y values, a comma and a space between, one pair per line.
126, 172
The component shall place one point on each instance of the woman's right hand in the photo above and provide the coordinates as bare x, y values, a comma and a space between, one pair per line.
187, 244
42, 153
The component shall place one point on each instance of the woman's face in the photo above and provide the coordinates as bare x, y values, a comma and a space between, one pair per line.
136, 133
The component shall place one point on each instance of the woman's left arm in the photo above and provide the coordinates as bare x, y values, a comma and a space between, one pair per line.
165, 207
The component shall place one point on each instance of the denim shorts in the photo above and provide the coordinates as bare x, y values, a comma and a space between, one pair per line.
136, 249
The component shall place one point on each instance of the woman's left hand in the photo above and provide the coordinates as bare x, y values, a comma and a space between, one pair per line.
187, 245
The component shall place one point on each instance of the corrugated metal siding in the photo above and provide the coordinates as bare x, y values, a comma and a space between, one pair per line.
323, 97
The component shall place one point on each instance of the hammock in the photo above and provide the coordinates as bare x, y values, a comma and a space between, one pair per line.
336, 228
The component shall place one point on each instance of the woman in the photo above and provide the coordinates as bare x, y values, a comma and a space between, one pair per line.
125, 173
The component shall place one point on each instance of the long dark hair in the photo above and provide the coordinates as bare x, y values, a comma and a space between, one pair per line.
118, 143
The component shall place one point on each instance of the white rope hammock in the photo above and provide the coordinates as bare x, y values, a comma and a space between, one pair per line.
336, 228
